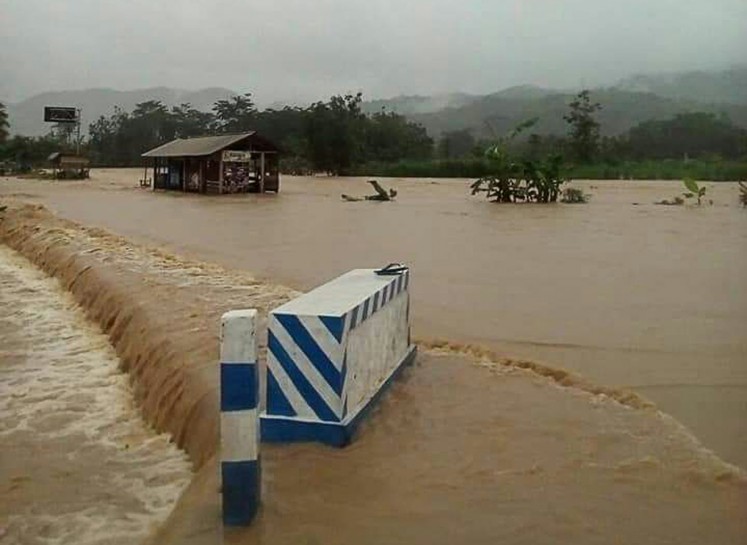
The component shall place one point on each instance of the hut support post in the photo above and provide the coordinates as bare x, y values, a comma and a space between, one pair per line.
239, 417
220, 177
262, 172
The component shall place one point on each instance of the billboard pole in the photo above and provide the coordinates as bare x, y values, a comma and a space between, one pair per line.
79, 111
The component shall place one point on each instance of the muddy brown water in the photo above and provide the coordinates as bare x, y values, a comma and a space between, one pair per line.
462, 450
77, 463
626, 293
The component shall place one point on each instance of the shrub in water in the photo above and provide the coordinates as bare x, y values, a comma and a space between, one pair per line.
573, 195
693, 189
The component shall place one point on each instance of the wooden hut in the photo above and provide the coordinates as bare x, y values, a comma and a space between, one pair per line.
68, 166
228, 163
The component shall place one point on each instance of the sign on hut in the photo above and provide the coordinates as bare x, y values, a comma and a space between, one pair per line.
229, 163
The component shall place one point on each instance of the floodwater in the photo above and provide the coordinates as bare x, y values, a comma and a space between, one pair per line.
77, 463
623, 292
459, 454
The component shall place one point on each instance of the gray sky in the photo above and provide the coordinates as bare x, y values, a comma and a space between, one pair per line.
309, 49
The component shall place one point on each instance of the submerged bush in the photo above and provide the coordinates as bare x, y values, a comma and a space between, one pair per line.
527, 181
574, 195
743, 193
676, 201
694, 190
511, 180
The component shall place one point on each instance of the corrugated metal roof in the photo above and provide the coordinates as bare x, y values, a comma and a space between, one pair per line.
196, 147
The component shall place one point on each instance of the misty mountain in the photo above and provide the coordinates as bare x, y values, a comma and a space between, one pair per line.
729, 86
495, 115
27, 117
631, 101
418, 104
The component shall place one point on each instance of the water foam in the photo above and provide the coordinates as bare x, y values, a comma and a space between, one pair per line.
93, 472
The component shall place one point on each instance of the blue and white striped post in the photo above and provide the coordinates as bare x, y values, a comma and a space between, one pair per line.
239, 417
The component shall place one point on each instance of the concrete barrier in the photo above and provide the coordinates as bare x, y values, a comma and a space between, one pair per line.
331, 353
239, 418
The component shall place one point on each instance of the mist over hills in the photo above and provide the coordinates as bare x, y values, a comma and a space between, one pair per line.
496, 114
630, 101
728, 86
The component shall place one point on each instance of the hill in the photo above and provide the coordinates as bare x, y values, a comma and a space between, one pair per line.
627, 103
728, 86
630, 101
496, 114
418, 104
26, 117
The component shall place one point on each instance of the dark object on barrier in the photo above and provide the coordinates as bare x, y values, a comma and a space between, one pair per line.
392, 269
381, 194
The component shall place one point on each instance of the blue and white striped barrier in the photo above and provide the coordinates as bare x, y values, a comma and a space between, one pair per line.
332, 352
239, 417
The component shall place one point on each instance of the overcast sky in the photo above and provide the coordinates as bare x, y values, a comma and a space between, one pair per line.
308, 49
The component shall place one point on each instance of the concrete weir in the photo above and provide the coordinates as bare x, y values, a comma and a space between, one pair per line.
332, 352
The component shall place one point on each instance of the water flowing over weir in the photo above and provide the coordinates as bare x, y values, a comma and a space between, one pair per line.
463, 450
77, 463
643, 297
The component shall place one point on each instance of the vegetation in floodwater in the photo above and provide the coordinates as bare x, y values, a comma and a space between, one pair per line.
694, 190
574, 195
676, 201
743, 193
381, 195
514, 180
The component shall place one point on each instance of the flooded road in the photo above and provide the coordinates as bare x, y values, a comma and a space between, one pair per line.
77, 463
629, 295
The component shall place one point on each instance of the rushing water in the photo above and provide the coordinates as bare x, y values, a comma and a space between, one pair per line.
624, 292
77, 464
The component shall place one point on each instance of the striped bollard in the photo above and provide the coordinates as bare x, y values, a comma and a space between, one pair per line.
239, 417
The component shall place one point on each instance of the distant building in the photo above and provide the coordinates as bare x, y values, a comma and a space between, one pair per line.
68, 166
229, 163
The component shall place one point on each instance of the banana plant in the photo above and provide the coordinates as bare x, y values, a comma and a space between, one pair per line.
514, 181
694, 190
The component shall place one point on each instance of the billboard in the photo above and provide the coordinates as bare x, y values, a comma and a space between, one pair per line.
60, 114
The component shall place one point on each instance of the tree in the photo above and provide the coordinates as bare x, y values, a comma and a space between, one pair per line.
456, 144
687, 135
120, 139
64, 134
106, 139
391, 137
584, 128
189, 121
334, 132
4, 125
27, 152
236, 114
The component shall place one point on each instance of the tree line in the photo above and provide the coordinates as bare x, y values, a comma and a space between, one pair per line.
327, 136
337, 137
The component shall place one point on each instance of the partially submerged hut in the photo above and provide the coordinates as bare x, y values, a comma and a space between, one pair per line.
228, 163
68, 166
